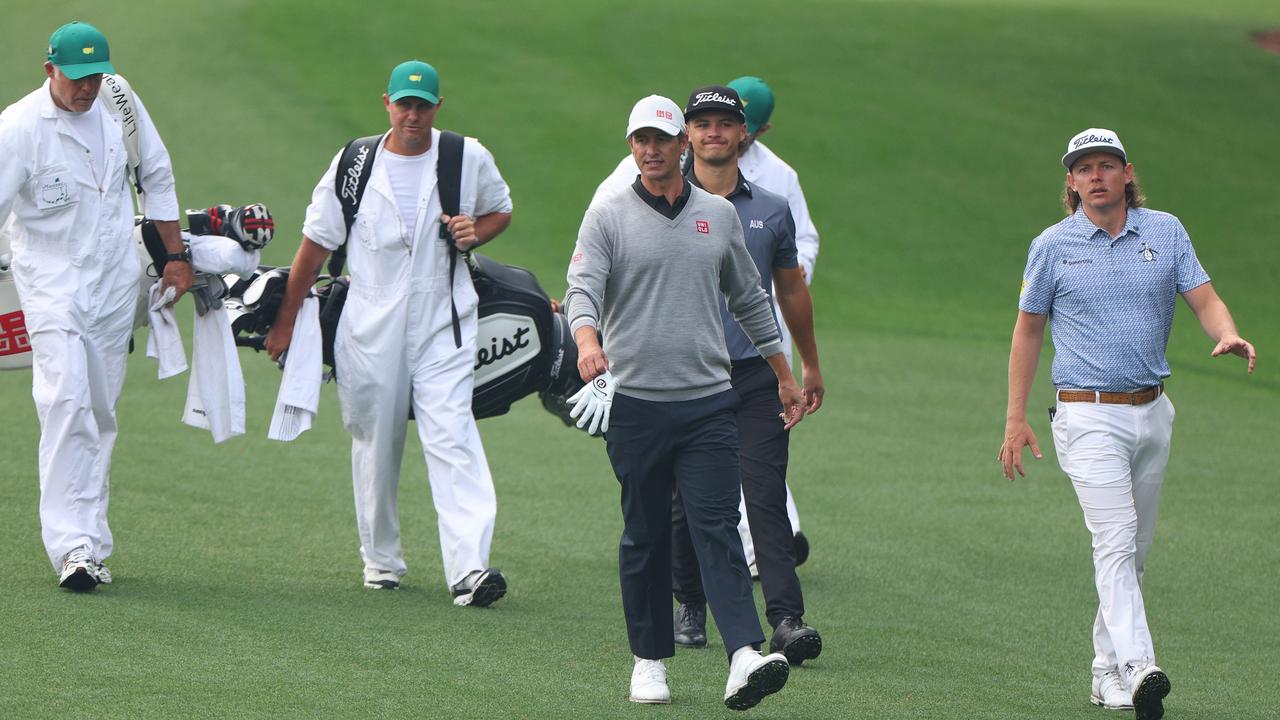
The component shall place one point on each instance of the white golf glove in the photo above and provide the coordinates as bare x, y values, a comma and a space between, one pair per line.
593, 403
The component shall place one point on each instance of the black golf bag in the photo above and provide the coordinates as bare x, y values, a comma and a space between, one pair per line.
522, 347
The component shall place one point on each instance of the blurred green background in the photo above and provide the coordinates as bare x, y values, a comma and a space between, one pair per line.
927, 138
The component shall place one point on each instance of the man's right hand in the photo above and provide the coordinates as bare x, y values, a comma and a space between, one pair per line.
591, 359
278, 339
1017, 434
302, 273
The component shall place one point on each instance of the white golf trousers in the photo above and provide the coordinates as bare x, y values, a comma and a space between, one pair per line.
77, 380
1115, 456
375, 392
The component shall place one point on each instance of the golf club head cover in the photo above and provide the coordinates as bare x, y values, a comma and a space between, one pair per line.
591, 404
250, 225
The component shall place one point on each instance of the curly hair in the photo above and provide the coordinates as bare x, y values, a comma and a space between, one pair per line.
1132, 193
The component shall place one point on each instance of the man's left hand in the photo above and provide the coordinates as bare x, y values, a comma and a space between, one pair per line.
593, 403
1236, 345
463, 230
814, 390
179, 276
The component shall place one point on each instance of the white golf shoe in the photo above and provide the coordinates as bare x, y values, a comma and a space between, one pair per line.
752, 676
1148, 686
376, 579
1110, 692
480, 588
649, 683
79, 571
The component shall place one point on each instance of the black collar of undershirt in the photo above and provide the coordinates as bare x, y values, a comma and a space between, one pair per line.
741, 187
659, 203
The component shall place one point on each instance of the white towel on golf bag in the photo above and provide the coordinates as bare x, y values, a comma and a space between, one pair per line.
164, 342
299, 396
215, 392
220, 255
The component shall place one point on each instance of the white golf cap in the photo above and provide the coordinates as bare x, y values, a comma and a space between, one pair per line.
1092, 140
658, 112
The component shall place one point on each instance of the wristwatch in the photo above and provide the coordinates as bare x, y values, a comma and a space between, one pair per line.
184, 256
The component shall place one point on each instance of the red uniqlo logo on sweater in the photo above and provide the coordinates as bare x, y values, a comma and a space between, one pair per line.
702, 226
13, 334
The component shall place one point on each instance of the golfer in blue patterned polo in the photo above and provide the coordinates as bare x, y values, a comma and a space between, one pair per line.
1108, 275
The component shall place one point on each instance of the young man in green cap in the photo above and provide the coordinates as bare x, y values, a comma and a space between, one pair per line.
399, 343
65, 181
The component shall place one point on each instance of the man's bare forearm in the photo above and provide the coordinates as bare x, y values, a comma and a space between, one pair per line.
796, 305
1024, 357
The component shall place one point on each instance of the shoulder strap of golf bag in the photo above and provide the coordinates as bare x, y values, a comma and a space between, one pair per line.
117, 97
449, 185
354, 167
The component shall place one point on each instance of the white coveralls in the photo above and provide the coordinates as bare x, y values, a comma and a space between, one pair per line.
76, 273
395, 346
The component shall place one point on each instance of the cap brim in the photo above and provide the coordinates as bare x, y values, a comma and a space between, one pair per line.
1070, 158
76, 72
695, 113
669, 128
433, 99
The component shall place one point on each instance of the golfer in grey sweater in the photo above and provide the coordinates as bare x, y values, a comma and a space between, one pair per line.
650, 265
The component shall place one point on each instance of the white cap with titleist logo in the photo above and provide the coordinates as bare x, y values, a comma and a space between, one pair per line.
1090, 141
658, 112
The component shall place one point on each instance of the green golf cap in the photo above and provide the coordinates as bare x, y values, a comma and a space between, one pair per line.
757, 101
79, 49
414, 79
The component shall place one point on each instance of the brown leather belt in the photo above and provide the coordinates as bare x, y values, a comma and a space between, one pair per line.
1140, 397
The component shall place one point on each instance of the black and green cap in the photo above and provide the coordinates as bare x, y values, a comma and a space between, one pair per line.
757, 101
414, 79
79, 49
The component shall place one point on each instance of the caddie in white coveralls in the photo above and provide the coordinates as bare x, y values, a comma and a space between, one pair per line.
395, 343
63, 177
1109, 275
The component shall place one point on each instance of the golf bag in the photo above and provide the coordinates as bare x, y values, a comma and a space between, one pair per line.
222, 239
15, 345
522, 347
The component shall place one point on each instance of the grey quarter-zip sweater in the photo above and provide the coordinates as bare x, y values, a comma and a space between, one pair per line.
652, 286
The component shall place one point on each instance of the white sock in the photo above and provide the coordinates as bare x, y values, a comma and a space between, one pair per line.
745, 649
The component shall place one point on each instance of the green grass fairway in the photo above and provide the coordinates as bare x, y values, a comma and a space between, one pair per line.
927, 135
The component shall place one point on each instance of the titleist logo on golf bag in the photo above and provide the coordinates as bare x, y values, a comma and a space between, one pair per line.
351, 183
704, 97
123, 107
1091, 139
504, 341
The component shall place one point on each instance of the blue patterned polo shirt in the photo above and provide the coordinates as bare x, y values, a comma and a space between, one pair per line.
1110, 302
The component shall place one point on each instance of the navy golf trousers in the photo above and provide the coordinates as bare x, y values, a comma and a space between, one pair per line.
764, 478
657, 448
